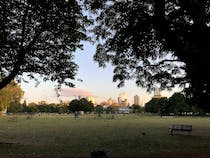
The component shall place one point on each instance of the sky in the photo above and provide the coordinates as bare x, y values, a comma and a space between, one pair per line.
96, 82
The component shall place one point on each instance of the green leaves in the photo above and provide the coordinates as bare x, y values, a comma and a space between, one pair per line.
39, 37
157, 43
80, 105
9, 95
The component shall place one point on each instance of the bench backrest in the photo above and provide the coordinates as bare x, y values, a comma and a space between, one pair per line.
182, 127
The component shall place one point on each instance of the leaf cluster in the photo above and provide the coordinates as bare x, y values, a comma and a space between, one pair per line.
39, 37
9, 95
160, 43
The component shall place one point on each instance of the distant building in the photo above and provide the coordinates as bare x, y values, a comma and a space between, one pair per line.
42, 103
32, 104
115, 104
124, 110
110, 101
136, 100
122, 100
123, 96
118, 101
124, 103
157, 94
91, 99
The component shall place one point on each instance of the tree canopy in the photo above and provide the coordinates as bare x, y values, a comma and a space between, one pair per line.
176, 104
81, 105
151, 41
99, 110
156, 42
38, 37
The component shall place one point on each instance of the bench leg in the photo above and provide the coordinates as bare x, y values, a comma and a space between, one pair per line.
172, 132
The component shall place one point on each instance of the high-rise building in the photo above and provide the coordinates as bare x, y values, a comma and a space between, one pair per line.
118, 101
122, 99
123, 96
110, 101
91, 99
42, 102
136, 100
157, 94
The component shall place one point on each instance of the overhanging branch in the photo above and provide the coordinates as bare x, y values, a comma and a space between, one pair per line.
20, 60
163, 62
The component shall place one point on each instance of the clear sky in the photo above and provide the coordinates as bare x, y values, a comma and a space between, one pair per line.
97, 82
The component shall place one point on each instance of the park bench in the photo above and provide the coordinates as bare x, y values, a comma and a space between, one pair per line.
182, 128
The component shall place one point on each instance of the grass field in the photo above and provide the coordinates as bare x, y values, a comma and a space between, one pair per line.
63, 136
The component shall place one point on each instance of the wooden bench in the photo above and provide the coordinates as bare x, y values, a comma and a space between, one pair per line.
182, 128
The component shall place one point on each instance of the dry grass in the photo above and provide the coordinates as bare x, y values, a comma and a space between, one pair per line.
63, 136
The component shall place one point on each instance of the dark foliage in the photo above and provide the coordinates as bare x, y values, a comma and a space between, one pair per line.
37, 108
156, 42
99, 110
137, 108
81, 105
177, 104
38, 37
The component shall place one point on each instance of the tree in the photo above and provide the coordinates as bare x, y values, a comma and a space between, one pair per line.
158, 105
38, 37
111, 109
15, 108
10, 96
86, 106
152, 106
99, 110
74, 105
156, 42
178, 102
81, 105
164, 107
136, 108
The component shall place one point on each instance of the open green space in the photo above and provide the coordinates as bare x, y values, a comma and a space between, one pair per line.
123, 136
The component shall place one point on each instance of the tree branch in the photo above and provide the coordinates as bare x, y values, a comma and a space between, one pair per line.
162, 62
24, 26
20, 60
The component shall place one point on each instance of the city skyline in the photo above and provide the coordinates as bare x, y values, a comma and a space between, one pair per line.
96, 82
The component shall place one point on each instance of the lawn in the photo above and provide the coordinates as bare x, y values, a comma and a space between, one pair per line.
125, 136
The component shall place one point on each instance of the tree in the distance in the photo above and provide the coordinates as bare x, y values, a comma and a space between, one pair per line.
136, 108
81, 105
99, 110
156, 42
39, 37
86, 106
152, 106
178, 102
74, 106
10, 96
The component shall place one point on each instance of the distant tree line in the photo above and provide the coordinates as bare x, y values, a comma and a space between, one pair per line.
177, 104
38, 108
75, 105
